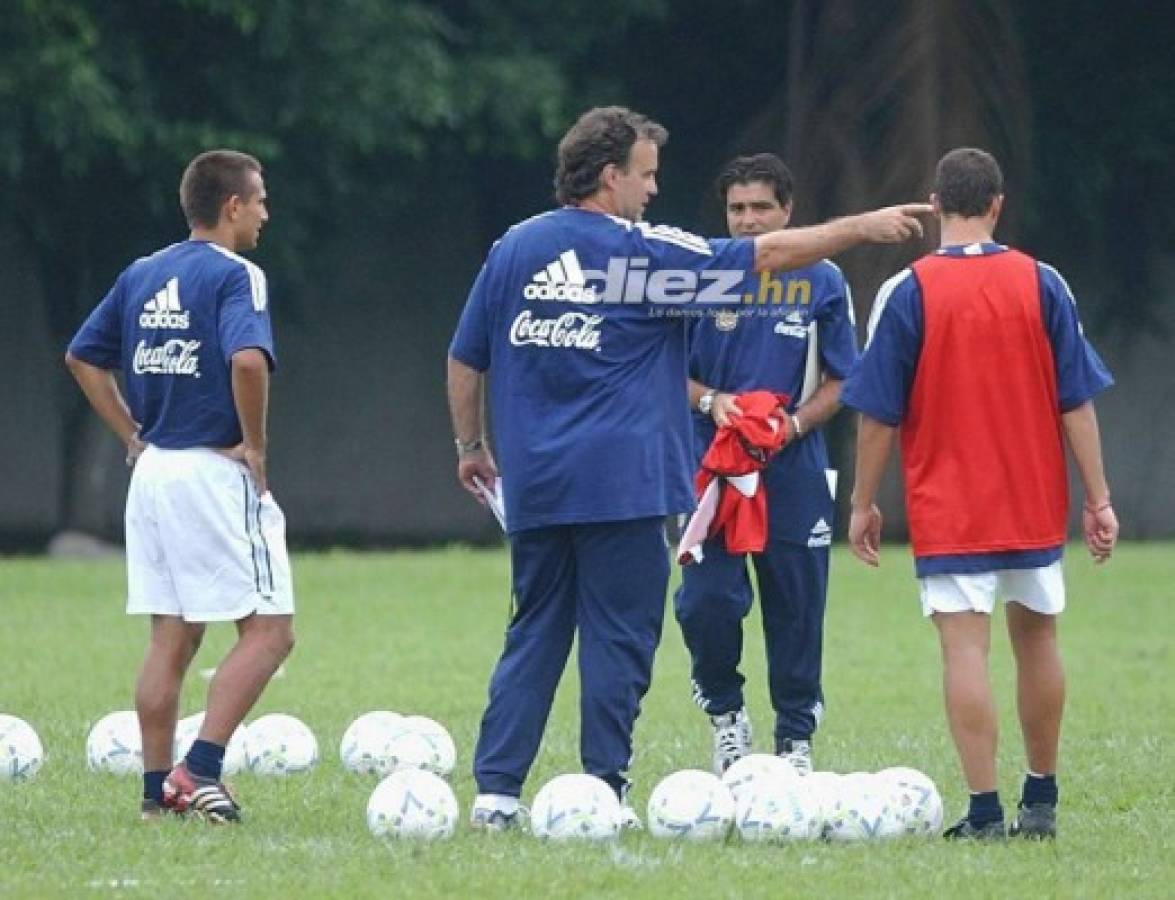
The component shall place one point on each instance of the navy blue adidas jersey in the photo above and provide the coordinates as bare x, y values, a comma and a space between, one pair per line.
576, 315
172, 322
793, 327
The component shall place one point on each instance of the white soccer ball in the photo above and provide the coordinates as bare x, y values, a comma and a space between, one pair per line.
279, 744
745, 773
778, 809
187, 730
443, 755
21, 753
822, 791
115, 744
364, 747
575, 807
914, 800
693, 805
412, 803
861, 810
421, 743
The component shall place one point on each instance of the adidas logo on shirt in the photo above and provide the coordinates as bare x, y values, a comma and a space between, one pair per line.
821, 534
561, 279
163, 310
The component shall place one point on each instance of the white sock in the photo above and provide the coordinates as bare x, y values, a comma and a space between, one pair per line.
503, 803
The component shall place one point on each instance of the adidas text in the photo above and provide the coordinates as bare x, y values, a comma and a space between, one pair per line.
163, 319
573, 293
628, 280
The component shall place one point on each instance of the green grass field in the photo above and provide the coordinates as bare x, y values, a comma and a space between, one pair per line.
419, 632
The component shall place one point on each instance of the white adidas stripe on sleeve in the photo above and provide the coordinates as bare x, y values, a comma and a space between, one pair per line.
258, 286
1060, 278
676, 236
883, 295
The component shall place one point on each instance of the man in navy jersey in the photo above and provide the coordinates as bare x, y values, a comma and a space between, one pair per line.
795, 336
977, 359
572, 315
205, 540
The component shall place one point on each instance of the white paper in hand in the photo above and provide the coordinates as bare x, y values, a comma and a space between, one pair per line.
493, 499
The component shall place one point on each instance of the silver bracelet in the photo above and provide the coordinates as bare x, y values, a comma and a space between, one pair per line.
795, 425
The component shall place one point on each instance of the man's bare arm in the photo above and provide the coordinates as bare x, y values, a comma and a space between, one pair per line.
466, 388
1081, 433
250, 380
875, 442
725, 405
793, 248
821, 406
1098, 520
101, 389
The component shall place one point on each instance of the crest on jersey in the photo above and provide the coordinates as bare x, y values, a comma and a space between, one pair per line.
725, 320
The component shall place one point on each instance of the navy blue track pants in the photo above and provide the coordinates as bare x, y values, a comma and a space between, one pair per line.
715, 596
607, 581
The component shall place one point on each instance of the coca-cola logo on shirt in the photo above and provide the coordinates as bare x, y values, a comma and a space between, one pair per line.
174, 357
572, 331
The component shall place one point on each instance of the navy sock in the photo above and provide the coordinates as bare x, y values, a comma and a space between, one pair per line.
1039, 789
153, 786
985, 808
205, 759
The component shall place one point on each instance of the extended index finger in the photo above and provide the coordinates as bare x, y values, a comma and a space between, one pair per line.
916, 209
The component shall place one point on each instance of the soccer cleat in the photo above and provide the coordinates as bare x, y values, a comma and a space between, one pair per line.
629, 820
964, 830
184, 792
1034, 822
797, 754
732, 738
490, 819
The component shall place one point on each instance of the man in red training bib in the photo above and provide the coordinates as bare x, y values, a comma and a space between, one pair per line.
977, 359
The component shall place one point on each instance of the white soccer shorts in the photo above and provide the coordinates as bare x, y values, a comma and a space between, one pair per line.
200, 543
1041, 590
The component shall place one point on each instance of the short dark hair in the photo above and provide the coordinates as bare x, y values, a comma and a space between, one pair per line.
210, 179
966, 181
601, 136
765, 167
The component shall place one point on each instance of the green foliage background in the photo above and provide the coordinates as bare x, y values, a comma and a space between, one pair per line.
401, 138
358, 104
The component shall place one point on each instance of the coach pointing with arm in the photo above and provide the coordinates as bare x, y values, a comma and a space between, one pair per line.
592, 429
784, 249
